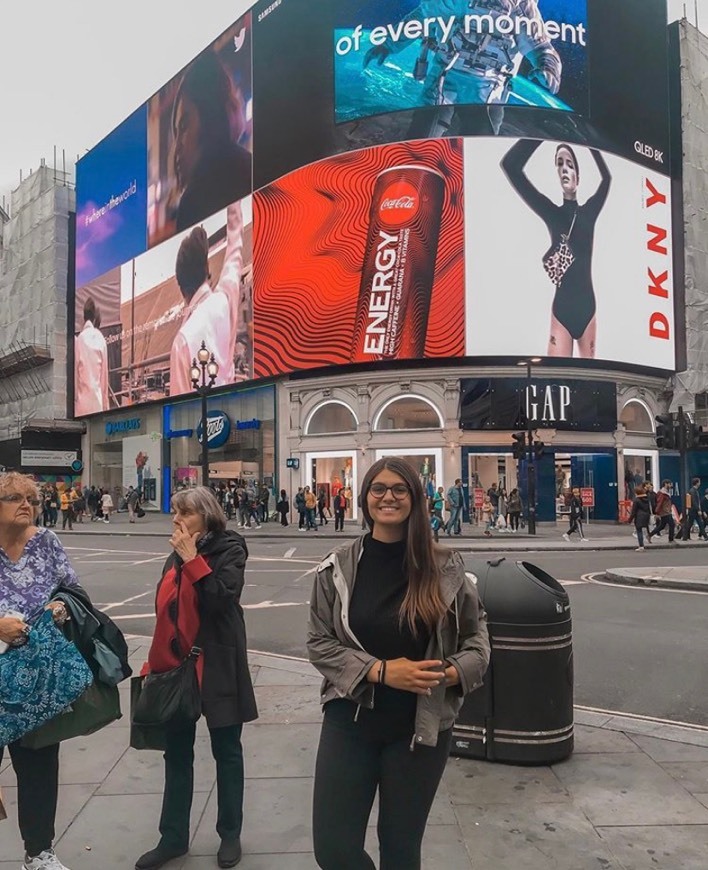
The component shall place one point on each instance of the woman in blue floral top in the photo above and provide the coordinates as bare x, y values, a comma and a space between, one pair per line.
32, 564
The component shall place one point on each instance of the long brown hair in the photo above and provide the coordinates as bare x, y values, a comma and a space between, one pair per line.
423, 599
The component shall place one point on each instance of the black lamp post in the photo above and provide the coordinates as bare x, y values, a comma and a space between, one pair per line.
530, 453
204, 372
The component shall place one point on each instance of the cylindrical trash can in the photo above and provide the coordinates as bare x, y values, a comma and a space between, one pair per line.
523, 714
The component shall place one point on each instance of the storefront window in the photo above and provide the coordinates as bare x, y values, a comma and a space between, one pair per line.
426, 463
486, 469
409, 412
332, 473
334, 417
248, 455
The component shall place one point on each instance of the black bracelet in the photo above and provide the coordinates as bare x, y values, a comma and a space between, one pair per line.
382, 672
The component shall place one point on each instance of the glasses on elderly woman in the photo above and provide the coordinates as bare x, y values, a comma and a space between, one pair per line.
16, 498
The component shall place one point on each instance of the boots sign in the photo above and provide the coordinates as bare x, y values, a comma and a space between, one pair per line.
218, 429
509, 403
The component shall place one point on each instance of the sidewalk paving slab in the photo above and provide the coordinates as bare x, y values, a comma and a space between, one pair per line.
628, 799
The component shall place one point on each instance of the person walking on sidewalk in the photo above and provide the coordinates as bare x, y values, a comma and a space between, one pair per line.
311, 508
340, 506
206, 573
692, 512
33, 564
493, 493
514, 507
133, 500
398, 632
641, 516
321, 505
283, 508
106, 505
456, 500
665, 513
67, 511
301, 509
575, 516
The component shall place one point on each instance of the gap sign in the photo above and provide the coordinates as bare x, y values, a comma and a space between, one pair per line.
218, 430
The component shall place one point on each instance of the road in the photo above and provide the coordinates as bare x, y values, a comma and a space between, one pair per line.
637, 650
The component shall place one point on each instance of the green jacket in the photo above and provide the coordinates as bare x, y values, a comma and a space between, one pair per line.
461, 639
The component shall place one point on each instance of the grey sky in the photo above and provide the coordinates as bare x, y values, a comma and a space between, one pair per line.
68, 78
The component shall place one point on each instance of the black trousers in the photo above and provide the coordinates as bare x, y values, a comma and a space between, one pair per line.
338, 521
666, 521
694, 516
179, 784
349, 770
514, 519
37, 772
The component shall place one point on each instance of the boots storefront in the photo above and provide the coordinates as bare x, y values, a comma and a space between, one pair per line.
157, 450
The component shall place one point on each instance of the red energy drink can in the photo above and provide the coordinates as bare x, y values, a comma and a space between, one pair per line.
399, 264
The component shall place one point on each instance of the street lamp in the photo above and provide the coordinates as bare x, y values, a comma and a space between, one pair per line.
531, 456
203, 373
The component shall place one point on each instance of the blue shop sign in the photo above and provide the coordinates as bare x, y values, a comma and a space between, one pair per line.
113, 428
218, 429
248, 424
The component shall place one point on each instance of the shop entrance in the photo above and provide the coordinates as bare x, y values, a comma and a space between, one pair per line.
596, 471
333, 472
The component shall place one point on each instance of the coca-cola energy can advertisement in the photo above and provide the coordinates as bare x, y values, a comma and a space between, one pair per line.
399, 264
360, 259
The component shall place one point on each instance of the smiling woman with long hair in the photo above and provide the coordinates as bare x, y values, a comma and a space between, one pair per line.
400, 637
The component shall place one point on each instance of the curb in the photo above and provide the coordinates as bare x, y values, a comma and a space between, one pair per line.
622, 578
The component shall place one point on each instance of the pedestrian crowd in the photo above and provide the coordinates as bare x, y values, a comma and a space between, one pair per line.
396, 629
75, 503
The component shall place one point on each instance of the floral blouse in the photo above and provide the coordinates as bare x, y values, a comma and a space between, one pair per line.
26, 586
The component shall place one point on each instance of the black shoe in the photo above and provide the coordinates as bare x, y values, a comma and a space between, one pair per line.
229, 854
157, 857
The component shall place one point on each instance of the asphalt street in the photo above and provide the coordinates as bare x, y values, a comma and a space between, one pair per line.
637, 650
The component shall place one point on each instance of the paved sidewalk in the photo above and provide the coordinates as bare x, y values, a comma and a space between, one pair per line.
634, 796
668, 578
603, 536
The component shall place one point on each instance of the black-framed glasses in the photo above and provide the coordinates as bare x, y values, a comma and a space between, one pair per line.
398, 490
16, 498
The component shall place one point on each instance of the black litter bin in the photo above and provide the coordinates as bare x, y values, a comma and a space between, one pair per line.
523, 714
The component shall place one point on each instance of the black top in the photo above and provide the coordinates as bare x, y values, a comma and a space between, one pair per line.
380, 587
641, 511
574, 303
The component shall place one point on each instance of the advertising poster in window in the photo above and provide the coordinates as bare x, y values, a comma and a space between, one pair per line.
359, 259
142, 467
155, 311
570, 256
200, 136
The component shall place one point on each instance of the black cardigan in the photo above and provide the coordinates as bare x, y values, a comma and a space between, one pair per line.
227, 691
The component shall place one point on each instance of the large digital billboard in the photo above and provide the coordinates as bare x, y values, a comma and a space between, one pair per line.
361, 181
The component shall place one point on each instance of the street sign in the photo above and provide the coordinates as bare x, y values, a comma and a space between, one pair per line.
478, 499
292, 463
77, 466
587, 496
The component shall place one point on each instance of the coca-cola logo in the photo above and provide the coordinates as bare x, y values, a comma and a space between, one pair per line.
218, 427
399, 204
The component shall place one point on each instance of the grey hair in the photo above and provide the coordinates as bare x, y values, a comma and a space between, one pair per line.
201, 500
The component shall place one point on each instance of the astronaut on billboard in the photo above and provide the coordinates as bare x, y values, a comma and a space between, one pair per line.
473, 54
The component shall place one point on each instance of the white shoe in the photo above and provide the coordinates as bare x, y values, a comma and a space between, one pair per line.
258, 527
585, 539
566, 536
46, 860
639, 550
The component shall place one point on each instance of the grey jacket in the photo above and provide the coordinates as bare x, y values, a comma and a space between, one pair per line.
461, 639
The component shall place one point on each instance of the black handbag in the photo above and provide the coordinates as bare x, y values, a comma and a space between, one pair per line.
140, 513
172, 697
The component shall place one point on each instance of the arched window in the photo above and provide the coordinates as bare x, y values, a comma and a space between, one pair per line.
635, 417
408, 412
331, 418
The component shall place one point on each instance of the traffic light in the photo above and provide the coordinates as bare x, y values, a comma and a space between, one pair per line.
665, 434
519, 445
696, 437
538, 449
